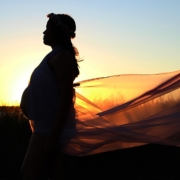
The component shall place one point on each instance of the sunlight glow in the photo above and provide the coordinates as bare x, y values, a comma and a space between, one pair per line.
134, 38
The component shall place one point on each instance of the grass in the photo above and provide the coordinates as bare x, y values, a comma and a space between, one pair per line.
150, 162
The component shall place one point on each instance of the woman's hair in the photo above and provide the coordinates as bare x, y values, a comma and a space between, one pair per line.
64, 39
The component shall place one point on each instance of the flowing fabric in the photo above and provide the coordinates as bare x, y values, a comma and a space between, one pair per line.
124, 111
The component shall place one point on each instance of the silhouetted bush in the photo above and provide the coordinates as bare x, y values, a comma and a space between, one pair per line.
14, 138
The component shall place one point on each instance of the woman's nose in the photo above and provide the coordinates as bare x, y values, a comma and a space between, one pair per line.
44, 32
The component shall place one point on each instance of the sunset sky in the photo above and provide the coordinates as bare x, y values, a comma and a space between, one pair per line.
113, 37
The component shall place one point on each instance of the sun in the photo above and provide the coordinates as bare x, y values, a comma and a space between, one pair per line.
14, 85
17, 90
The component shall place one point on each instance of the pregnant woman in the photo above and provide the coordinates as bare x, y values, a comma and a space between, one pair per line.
113, 112
48, 100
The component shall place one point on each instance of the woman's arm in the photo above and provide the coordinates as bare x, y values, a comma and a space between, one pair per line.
62, 66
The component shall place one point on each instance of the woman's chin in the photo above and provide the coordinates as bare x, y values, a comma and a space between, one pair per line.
46, 43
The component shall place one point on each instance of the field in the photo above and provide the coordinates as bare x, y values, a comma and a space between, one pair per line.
150, 162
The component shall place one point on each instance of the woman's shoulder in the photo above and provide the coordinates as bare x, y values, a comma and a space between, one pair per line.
63, 54
62, 57
61, 65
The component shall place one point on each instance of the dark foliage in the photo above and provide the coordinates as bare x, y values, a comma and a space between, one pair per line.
150, 162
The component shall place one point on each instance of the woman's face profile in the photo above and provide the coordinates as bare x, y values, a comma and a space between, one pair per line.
48, 35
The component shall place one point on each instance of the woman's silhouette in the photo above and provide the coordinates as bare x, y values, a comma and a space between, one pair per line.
48, 100
112, 113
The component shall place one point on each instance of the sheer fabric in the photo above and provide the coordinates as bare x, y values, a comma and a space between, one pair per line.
124, 111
